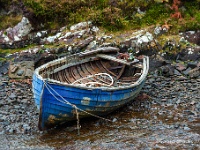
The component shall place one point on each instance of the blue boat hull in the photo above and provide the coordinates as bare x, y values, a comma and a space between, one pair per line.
52, 100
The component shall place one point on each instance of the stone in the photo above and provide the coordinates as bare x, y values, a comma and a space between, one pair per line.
92, 45
82, 44
12, 95
180, 67
186, 72
28, 73
147, 37
155, 64
4, 68
158, 30
13, 69
15, 34
194, 73
114, 120
186, 128
20, 72
52, 39
81, 25
167, 70
192, 65
176, 72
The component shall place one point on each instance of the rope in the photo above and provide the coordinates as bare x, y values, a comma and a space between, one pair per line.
78, 121
96, 82
49, 88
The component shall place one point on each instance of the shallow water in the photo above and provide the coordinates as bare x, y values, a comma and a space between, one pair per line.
136, 125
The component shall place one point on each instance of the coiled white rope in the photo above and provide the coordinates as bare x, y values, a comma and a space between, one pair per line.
95, 76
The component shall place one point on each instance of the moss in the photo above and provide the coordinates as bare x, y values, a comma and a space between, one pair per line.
175, 38
12, 51
155, 14
9, 21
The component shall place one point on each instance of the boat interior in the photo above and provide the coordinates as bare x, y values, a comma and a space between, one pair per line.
101, 70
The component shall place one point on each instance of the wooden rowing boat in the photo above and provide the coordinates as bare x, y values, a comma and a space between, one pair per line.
91, 83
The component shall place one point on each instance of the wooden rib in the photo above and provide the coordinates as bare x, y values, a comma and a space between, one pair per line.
110, 72
75, 73
103, 68
100, 68
56, 76
92, 70
64, 76
86, 71
93, 66
60, 77
82, 74
98, 65
89, 69
121, 72
70, 78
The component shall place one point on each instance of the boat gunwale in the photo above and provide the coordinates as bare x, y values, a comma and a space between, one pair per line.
111, 88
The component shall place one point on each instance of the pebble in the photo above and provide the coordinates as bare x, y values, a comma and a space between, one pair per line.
12, 96
186, 128
20, 72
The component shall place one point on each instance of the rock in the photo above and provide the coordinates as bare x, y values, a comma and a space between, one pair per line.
82, 44
167, 70
192, 36
17, 33
189, 54
158, 30
146, 38
186, 72
12, 95
79, 34
28, 73
176, 72
92, 45
198, 64
52, 39
20, 72
94, 29
160, 58
81, 25
114, 120
192, 65
13, 69
194, 73
181, 78
180, 67
193, 102
5, 71
155, 64
186, 128
4, 68
183, 40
